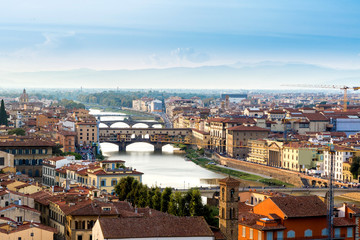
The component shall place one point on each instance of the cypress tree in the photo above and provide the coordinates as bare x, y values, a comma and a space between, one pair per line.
3, 115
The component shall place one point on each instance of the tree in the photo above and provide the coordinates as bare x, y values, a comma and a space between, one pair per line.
77, 155
156, 199
165, 199
3, 114
355, 167
196, 205
56, 150
123, 188
17, 132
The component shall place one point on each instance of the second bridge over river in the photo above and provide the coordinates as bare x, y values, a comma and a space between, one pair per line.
155, 136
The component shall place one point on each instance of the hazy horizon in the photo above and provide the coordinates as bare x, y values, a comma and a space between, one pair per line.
242, 44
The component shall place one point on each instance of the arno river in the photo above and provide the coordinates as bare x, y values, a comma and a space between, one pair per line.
166, 169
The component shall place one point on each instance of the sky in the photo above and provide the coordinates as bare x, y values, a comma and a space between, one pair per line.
39, 35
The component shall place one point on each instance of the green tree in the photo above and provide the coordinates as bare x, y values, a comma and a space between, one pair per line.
355, 167
17, 132
176, 204
156, 199
3, 114
123, 188
56, 150
77, 155
196, 205
165, 199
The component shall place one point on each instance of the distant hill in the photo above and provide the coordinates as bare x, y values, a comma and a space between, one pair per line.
264, 75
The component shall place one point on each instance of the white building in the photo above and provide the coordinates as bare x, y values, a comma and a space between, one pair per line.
341, 155
51, 164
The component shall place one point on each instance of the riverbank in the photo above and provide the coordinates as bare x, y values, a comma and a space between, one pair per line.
196, 157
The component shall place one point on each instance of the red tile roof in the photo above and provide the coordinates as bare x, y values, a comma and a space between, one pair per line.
248, 129
156, 227
300, 206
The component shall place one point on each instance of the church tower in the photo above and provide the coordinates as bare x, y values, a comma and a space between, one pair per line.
24, 98
229, 207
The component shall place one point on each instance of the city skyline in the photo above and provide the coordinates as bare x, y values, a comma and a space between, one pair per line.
121, 43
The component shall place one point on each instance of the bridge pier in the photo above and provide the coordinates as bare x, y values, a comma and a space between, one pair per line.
158, 148
122, 147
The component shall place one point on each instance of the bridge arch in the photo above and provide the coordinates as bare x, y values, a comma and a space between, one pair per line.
103, 125
120, 125
140, 125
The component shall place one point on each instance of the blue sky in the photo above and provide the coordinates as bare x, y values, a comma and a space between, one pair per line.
38, 35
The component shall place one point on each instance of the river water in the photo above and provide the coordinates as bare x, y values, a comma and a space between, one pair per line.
166, 169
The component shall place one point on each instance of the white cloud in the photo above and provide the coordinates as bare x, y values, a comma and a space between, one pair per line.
53, 40
189, 54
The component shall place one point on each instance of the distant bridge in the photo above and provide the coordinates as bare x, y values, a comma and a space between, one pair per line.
131, 123
155, 136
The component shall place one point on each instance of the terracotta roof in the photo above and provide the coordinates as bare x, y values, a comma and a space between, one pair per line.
169, 226
229, 180
342, 222
25, 226
315, 117
95, 207
28, 143
19, 206
250, 219
248, 128
300, 206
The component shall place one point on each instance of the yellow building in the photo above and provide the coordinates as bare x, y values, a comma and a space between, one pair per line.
347, 175
258, 151
87, 132
237, 139
27, 230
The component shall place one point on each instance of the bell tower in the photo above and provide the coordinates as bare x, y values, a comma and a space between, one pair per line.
229, 207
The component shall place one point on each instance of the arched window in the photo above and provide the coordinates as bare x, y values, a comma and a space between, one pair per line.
37, 173
324, 232
232, 192
308, 233
222, 193
291, 234
30, 173
76, 225
231, 212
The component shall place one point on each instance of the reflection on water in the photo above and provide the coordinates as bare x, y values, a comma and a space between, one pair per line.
162, 169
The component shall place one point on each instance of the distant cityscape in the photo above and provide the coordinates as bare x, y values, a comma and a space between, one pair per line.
274, 153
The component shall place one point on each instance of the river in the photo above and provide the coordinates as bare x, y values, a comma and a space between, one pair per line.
166, 169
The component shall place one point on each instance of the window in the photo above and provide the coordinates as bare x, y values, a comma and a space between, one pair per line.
291, 234
2, 160
251, 233
19, 238
269, 236
337, 232
79, 237
259, 235
19, 219
308, 233
349, 232
244, 231
103, 183
280, 235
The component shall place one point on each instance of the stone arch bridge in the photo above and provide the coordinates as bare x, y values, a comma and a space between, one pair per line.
131, 123
155, 136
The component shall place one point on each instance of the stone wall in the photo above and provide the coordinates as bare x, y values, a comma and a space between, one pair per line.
281, 174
